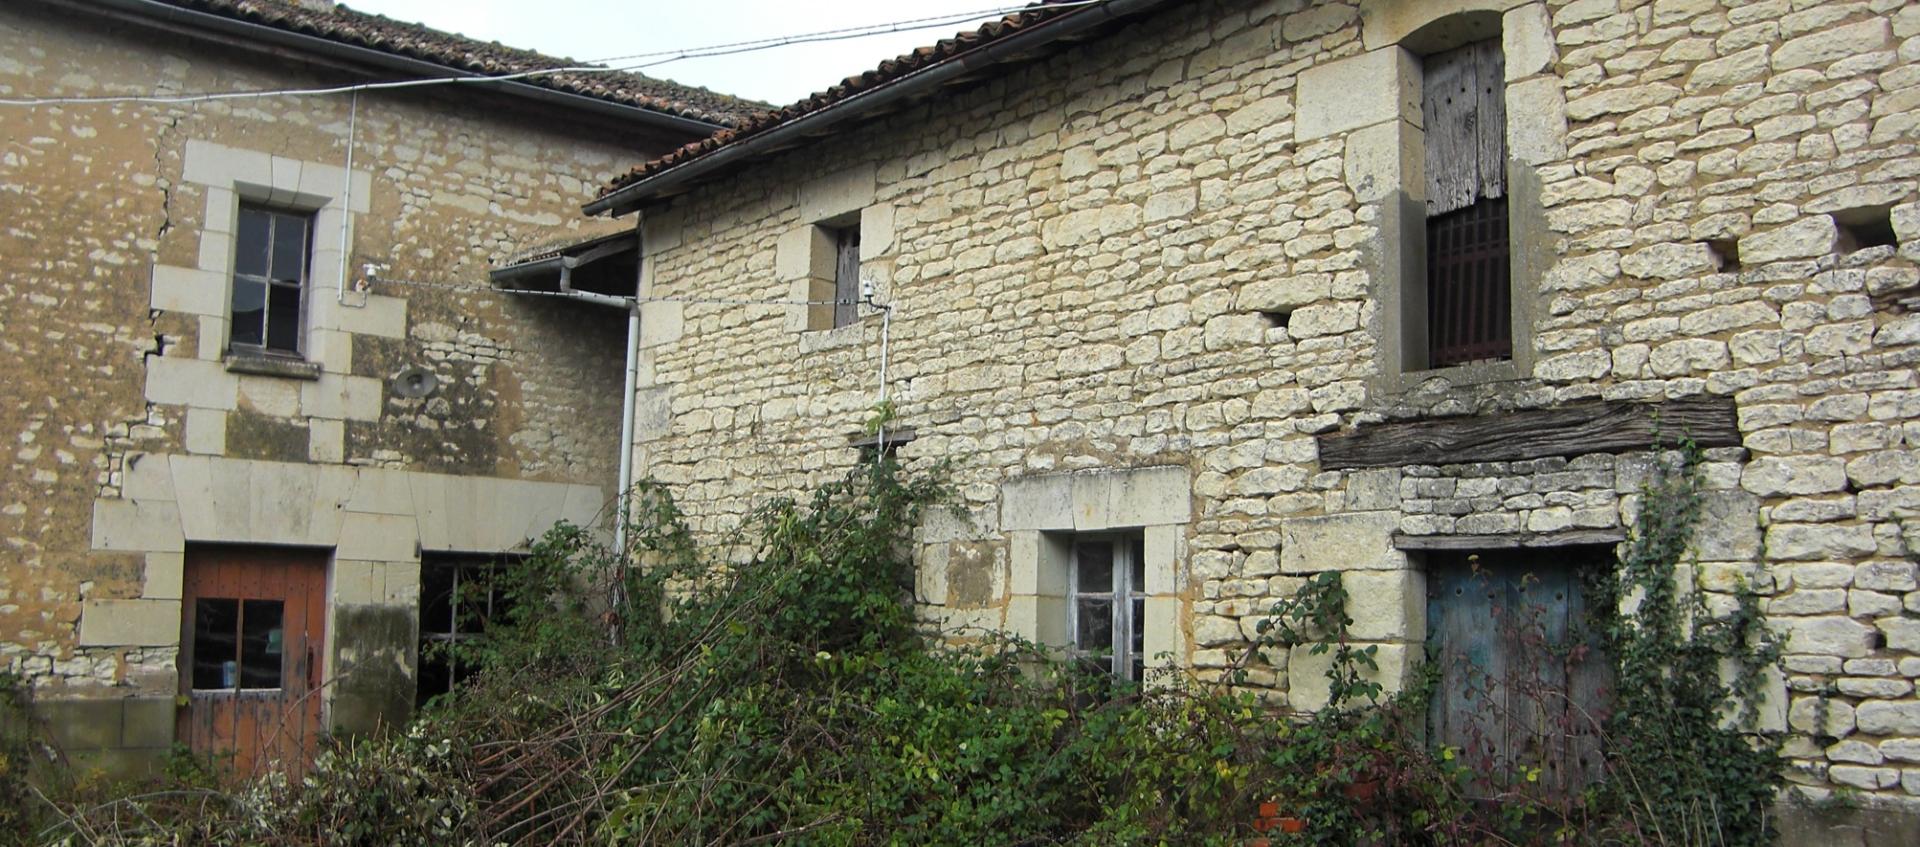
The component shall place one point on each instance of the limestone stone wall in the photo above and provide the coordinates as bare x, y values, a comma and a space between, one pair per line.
115, 262
1186, 245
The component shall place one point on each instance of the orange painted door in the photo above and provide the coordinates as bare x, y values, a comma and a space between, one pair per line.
251, 635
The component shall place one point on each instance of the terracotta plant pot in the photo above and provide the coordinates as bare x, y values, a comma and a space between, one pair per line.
1291, 825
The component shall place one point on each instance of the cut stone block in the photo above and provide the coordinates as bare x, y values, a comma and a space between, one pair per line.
1351, 541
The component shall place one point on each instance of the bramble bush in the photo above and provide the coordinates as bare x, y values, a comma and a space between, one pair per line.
777, 687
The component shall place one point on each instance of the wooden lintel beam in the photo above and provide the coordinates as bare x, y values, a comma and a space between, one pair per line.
1611, 427
1509, 540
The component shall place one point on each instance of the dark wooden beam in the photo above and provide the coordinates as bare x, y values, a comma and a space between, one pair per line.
895, 437
1612, 427
1509, 540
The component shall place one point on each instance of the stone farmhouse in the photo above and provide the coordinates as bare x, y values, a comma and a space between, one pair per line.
1199, 298
1202, 298
259, 388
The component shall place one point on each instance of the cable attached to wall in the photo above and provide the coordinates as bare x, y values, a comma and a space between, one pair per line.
372, 276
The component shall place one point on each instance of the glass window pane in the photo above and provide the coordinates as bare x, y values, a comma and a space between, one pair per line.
262, 643
249, 312
251, 242
283, 318
1136, 572
216, 623
1094, 559
1095, 631
289, 248
436, 598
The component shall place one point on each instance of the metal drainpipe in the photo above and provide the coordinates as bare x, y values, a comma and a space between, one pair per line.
626, 427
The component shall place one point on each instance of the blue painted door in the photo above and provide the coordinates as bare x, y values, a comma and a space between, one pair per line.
1523, 688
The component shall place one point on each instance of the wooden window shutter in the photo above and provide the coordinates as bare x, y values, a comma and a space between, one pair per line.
846, 276
1463, 103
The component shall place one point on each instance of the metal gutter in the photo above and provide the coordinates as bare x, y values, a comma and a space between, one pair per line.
542, 266
630, 197
565, 265
260, 33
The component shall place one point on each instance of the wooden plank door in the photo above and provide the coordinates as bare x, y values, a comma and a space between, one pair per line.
251, 636
1523, 687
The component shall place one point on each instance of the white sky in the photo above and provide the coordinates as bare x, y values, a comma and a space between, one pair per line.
598, 29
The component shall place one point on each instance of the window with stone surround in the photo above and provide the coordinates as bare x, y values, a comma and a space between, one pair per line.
1097, 564
272, 254
1107, 609
1373, 102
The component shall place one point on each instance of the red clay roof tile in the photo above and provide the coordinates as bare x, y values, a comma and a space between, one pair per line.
416, 41
888, 71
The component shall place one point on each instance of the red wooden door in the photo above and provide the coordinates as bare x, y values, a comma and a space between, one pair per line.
252, 629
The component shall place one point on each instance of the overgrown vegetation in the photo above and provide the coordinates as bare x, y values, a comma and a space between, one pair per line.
16, 746
1687, 766
780, 690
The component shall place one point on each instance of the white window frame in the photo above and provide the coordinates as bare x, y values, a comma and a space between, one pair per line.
1127, 586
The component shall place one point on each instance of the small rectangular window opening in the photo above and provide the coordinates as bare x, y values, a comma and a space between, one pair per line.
846, 275
1107, 604
272, 251
1864, 227
1277, 319
1726, 253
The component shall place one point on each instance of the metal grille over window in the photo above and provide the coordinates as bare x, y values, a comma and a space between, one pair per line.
1469, 281
1470, 284
1109, 604
269, 280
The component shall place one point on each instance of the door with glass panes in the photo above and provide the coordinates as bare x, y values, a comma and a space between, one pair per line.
250, 664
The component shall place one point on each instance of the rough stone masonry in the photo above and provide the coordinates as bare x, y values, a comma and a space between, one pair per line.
1133, 284
132, 434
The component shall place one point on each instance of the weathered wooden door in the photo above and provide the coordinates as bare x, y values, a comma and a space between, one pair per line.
1523, 688
250, 663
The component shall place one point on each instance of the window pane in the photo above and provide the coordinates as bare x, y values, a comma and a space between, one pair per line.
250, 248
436, 597
1095, 633
289, 248
262, 641
249, 311
1136, 574
283, 318
216, 623
1095, 562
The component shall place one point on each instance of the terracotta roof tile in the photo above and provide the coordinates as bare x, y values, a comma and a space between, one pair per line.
888, 71
360, 29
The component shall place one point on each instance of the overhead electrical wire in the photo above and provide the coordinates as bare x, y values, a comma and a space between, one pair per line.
660, 57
